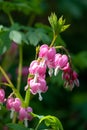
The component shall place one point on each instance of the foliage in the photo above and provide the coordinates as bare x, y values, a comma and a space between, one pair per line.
69, 107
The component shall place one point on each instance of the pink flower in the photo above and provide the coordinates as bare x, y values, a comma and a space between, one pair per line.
16, 104
61, 62
9, 103
13, 48
37, 67
13, 103
43, 51
38, 87
48, 53
2, 95
51, 54
71, 78
24, 71
24, 115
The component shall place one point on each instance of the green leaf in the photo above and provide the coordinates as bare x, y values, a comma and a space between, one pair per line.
1, 28
24, 6
17, 27
16, 36
4, 41
33, 38
58, 25
65, 27
51, 121
43, 26
15, 6
17, 127
42, 35
53, 21
36, 35
61, 21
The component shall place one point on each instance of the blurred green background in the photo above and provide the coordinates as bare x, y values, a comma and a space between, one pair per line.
69, 107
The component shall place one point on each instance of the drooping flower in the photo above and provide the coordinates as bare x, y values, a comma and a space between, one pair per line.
61, 62
71, 78
2, 95
38, 86
48, 53
43, 51
37, 67
24, 115
13, 104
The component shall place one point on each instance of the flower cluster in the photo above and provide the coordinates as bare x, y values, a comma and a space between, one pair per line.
14, 105
48, 58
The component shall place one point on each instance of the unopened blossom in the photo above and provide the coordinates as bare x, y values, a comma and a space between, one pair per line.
2, 95
24, 115
38, 87
61, 62
71, 78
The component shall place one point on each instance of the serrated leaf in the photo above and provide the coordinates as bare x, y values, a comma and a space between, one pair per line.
64, 27
53, 21
17, 126
16, 36
61, 21
57, 24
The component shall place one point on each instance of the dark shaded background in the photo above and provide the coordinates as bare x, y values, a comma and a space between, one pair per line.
69, 107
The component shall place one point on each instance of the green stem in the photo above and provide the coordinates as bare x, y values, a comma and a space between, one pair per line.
54, 38
27, 97
37, 126
14, 117
7, 78
19, 68
10, 18
12, 86
31, 19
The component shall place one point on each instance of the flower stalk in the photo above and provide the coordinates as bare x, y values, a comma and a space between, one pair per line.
19, 68
15, 91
